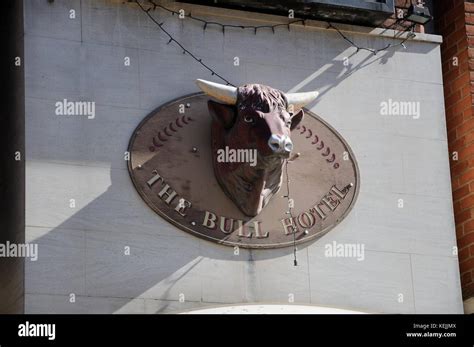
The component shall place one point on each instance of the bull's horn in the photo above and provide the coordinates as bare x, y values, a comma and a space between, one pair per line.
299, 100
225, 94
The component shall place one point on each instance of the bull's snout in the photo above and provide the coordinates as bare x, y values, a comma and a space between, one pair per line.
280, 144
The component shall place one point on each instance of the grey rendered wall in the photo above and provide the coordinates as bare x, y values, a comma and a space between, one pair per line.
409, 250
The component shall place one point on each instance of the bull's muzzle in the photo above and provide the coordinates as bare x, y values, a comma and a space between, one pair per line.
280, 144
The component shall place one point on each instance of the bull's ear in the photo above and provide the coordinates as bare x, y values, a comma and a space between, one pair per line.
296, 119
224, 114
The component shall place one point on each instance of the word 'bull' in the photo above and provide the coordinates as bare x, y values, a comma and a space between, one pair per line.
253, 117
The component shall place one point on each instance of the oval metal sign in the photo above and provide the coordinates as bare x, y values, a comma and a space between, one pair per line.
171, 166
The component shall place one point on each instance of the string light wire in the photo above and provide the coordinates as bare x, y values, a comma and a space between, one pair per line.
185, 50
290, 211
255, 28
372, 50
206, 23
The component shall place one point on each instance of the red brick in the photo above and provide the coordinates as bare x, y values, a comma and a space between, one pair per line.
463, 254
466, 115
461, 217
468, 138
449, 112
457, 206
468, 290
462, 81
456, 36
454, 51
467, 240
457, 7
451, 135
468, 226
454, 120
457, 170
446, 66
460, 106
459, 231
465, 127
455, 183
467, 265
463, 54
447, 87
468, 7
456, 96
449, 27
466, 277
461, 192
455, 14
467, 176
459, 143
466, 152
466, 91
467, 202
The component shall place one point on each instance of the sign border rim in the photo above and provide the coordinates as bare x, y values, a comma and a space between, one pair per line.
188, 230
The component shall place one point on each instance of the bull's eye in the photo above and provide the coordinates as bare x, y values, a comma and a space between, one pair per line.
288, 124
249, 119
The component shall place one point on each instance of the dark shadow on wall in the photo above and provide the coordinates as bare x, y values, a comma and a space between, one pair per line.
12, 144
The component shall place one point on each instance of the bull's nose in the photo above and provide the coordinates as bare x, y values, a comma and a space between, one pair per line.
280, 144
287, 144
274, 142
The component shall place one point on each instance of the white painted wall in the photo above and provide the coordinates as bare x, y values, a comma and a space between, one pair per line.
409, 251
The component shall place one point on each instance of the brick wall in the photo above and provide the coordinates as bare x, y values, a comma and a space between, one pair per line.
455, 21
393, 23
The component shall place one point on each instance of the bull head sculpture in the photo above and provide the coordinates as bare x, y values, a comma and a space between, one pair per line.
256, 118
